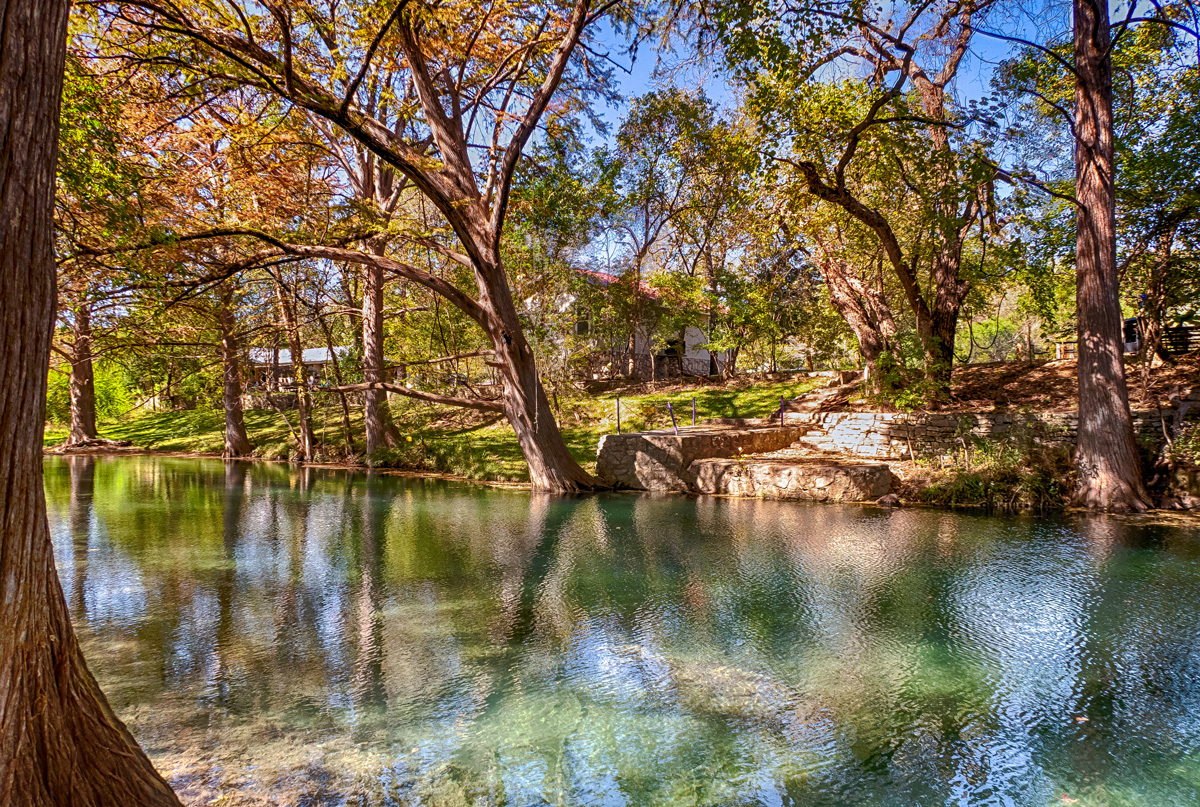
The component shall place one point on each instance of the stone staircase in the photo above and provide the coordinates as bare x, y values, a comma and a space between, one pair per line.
825, 399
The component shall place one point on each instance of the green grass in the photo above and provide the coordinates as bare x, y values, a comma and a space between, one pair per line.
450, 440
198, 430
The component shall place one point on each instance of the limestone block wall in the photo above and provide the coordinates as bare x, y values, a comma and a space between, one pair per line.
802, 481
659, 460
930, 434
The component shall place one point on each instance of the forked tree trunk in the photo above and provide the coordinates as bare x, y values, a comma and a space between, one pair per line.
60, 743
730, 368
237, 444
381, 431
936, 325
857, 312
1106, 456
83, 380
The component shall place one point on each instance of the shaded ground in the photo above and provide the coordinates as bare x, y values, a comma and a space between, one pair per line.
1053, 386
454, 441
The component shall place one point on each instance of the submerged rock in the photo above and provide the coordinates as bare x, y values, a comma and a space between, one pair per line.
733, 693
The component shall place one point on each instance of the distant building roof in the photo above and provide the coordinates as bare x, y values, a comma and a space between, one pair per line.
312, 355
605, 278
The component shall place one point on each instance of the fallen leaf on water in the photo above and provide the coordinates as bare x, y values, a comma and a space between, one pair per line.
1069, 800
1081, 720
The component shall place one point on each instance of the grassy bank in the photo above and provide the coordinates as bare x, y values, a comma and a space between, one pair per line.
451, 440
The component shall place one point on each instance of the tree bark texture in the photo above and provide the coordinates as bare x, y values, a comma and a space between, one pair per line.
863, 309
60, 743
1106, 456
551, 466
380, 430
237, 443
83, 380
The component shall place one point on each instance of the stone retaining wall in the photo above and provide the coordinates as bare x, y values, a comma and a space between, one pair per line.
804, 481
659, 460
931, 434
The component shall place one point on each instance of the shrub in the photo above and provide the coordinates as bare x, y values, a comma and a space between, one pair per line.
1184, 450
112, 393
997, 475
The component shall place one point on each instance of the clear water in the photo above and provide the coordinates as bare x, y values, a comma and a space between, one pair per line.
278, 636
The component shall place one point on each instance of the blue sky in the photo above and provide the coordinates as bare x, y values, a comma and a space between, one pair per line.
1039, 21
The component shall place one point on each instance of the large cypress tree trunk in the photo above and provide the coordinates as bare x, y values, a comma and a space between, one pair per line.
551, 466
83, 381
237, 443
1109, 468
60, 743
380, 429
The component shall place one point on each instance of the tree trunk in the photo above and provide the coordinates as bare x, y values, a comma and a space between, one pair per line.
1156, 306
713, 307
936, 326
299, 373
949, 292
381, 431
856, 313
237, 444
347, 432
730, 368
60, 742
1106, 456
551, 466
273, 376
83, 382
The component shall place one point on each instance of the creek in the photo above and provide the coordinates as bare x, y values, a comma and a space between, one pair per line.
306, 636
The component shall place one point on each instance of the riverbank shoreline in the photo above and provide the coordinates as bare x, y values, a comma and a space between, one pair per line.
135, 451
909, 501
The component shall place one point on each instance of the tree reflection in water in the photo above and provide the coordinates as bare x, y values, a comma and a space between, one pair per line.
282, 636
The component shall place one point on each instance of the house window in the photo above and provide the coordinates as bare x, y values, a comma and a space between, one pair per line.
582, 327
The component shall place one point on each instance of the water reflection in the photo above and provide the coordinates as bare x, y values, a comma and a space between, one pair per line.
317, 637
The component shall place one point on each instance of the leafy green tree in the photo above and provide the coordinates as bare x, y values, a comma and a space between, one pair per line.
904, 113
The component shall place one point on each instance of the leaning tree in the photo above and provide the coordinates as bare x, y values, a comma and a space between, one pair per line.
60, 742
471, 82
911, 55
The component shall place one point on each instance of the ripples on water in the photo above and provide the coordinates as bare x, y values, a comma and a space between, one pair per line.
313, 637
